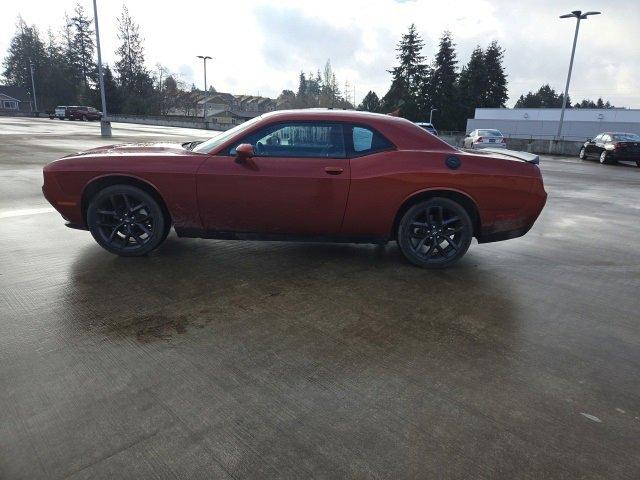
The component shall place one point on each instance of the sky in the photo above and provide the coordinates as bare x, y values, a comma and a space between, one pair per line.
259, 47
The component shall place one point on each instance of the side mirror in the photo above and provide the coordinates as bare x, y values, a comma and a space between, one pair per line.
244, 151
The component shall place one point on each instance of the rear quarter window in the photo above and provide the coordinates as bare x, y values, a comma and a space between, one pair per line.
366, 140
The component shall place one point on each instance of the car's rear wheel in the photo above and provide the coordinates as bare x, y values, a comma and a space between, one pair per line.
582, 154
126, 220
435, 233
84, 118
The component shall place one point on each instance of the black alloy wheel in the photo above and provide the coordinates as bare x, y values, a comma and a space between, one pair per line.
435, 233
126, 220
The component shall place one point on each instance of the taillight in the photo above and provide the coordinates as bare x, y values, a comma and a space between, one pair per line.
618, 145
479, 140
502, 140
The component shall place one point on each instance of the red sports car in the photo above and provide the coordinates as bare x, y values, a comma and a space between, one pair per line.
301, 175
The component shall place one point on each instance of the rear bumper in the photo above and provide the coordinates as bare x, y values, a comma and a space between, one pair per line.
519, 223
479, 146
624, 155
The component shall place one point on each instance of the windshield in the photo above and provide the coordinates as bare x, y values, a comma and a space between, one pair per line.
626, 137
489, 133
213, 143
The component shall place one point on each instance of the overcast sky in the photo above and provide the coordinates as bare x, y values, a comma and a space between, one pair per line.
261, 46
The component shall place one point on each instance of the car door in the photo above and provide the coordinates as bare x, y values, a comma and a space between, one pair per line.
590, 149
296, 183
599, 144
606, 139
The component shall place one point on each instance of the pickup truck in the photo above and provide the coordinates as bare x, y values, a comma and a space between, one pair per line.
76, 113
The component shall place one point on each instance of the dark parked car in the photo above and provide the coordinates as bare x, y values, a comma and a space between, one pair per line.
76, 113
610, 147
428, 127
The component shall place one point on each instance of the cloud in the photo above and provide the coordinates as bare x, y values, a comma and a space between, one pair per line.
296, 41
261, 45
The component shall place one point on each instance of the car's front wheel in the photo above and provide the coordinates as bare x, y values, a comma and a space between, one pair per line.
126, 220
435, 233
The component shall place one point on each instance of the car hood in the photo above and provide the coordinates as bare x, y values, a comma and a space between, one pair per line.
135, 149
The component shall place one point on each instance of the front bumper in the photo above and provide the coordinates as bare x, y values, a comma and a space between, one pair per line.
68, 206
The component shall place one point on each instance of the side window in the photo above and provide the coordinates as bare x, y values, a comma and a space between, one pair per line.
366, 141
297, 139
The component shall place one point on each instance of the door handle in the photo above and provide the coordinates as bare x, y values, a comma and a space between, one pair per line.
334, 170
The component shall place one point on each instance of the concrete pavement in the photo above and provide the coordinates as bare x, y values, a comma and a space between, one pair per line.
216, 359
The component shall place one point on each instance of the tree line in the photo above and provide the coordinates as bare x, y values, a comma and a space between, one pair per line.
417, 86
66, 73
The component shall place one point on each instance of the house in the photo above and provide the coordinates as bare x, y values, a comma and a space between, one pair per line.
14, 99
224, 109
241, 106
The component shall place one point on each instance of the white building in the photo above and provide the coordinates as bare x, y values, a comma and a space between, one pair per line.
542, 123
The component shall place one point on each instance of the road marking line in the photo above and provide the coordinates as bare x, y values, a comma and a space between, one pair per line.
25, 211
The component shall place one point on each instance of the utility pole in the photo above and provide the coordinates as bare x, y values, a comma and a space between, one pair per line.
105, 125
33, 87
204, 106
578, 15
431, 115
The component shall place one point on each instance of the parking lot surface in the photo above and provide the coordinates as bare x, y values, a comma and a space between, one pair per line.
223, 359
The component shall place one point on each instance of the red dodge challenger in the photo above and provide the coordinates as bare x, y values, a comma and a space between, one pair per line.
316, 175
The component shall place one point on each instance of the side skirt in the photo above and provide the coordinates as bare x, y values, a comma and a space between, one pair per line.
275, 237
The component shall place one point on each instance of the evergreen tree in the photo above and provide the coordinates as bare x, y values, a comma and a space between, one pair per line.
442, 86
133, 77
83, 49
130, 63
545, 97
111, 92
26, 48
370, 102
473, 84
57, 88
408, 76
496, 94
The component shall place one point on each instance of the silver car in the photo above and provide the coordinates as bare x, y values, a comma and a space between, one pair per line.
485, 137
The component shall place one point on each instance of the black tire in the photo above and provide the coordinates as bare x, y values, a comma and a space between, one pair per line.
606, 159
638, 163
126, 220
84, 118
435, 233
582, 154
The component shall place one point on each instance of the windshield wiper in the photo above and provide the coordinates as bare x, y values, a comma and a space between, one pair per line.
191, 145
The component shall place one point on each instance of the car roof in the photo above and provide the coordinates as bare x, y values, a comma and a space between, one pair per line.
400, 131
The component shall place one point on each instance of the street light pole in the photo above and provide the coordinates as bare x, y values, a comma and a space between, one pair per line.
204, 106
33, 87
105, 125
431, 115
578, 15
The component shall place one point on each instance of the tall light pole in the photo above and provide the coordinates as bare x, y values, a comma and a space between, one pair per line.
578, 15
33, 87
105, 125
204, 106
431, 115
